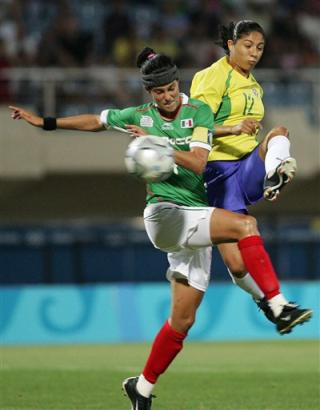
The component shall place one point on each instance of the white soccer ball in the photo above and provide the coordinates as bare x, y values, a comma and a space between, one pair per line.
150, 157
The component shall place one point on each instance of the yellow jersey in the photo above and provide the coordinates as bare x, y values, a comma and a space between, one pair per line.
232, 98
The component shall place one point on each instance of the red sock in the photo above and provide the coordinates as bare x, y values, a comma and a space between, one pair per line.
258, 263
166, 346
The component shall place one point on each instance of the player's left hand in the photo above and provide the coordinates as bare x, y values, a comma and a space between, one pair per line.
136, 131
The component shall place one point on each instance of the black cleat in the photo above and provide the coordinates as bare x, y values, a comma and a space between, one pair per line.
290, 317
266, 309
283, 174
138, 402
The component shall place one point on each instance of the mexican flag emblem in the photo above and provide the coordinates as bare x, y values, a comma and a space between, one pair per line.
188, 123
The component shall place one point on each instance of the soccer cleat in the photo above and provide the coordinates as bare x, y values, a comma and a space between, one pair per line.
138, 402
290, 317
283, 174
266, 309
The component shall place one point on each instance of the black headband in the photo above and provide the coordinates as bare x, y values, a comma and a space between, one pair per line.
163, 77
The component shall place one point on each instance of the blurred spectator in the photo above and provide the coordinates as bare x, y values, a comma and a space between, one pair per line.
145, 17
309, 20
124, 50
65, 45
11, 30
200, 50
261, 11
287, 46
49, 33
117, 24
205, 18
163, 42
174, 20
5, 94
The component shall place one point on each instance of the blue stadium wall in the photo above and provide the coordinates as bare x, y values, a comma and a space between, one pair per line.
134, 312
81, 254
97, 284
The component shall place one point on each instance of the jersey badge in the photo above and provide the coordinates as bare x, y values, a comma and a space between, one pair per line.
188, 123
255, 92
146, 121
167, 126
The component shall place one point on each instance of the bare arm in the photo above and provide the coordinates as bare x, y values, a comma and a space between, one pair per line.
85, 122
195, 159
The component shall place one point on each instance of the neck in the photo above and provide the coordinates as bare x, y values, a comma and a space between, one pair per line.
172, 114
237, 68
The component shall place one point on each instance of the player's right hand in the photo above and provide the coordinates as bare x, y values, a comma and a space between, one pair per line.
247, 126
135, 131
21, 114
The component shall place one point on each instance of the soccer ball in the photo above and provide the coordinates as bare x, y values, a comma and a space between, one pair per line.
150, 158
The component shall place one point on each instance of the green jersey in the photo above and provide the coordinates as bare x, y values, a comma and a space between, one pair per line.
183, 187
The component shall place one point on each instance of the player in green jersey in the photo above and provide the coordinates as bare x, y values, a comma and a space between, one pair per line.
177, 218
190, 128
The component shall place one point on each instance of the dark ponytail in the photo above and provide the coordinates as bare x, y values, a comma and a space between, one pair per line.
234, 31
145, 55
156, 69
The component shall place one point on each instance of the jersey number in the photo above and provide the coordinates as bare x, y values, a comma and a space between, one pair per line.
248, 104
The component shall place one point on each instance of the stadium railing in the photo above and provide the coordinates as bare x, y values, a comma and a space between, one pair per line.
121, 252
45, 86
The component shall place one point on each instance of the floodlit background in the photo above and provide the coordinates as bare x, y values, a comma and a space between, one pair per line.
74, 256
79, 280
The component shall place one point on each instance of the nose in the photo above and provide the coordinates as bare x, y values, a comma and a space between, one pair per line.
254, 52
167, 95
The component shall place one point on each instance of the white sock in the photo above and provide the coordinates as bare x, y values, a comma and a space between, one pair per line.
144, 387
278, 150
276, 304
248, 284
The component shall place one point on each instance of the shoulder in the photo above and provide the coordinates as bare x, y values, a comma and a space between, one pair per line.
212, 78
193, 103
198, 105
219, 68
126, 115
143, 108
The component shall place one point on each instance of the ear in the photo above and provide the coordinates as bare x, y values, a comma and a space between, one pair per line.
230, 45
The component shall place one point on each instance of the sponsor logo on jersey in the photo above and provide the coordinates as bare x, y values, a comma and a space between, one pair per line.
146, 121
181, 140
167, 126
188, 123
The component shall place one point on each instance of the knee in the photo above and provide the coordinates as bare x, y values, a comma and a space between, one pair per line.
280, 130
248, 226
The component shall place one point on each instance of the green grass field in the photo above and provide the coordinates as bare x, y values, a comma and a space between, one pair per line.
206, 376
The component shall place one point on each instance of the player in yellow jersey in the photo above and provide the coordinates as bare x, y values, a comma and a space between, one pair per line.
240, 171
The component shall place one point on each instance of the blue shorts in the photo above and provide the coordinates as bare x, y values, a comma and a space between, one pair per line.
234, 185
